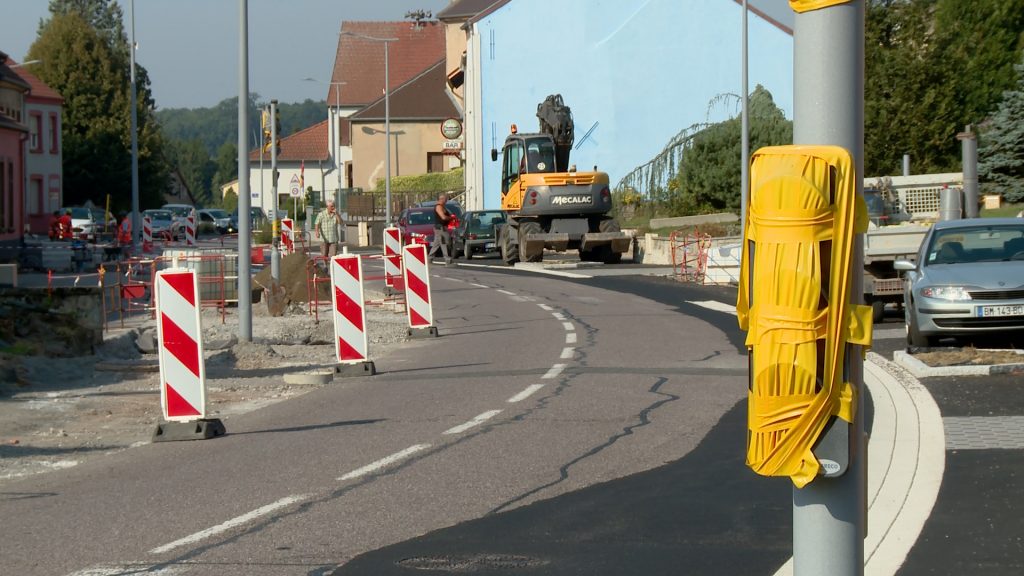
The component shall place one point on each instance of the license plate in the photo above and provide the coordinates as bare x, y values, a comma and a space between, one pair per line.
489, 246
993, 311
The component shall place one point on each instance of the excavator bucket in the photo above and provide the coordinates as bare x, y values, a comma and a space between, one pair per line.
794, 302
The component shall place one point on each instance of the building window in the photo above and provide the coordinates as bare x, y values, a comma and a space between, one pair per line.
435, 161
54, 134
35, 126
36, 201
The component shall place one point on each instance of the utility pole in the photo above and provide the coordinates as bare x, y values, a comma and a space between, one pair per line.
275, 255
969, 151
745, 127
136, 221
244, 220
830, 514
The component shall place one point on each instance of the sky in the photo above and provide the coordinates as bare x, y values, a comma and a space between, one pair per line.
190, 47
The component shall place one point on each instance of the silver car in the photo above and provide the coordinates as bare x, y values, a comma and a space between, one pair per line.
968, 279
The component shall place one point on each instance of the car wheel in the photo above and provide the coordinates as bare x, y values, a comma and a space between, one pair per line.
877, 311
467, 252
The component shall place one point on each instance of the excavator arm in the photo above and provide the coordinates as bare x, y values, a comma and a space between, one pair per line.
556, 120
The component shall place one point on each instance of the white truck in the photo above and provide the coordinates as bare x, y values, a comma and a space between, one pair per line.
902, 210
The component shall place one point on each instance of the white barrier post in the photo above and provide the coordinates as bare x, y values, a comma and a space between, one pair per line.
287, 238
190, 229
147, 233
351, 343
180, 353
392, 256
417, 291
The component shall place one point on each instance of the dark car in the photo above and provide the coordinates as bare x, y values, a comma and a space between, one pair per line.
968, 279
257, 220
476, 232
215, 217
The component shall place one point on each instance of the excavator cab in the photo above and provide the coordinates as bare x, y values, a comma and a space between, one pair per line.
526, 154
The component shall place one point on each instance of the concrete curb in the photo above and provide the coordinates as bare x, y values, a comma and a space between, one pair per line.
310, 378
921, 370
906, 460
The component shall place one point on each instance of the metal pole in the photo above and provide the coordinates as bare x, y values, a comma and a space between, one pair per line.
829, 514
969, 150
387, 140
135, 220
275, 255
337, 135
906, 164
244, 198
745, 128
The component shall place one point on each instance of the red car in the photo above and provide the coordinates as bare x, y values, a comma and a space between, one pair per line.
419, 222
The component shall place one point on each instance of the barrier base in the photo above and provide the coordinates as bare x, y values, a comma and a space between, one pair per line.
360, 369
428, 332
195, 430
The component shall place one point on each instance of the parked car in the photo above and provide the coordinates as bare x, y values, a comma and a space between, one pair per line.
968, 279
476, 232
258, 219
162, 224
216, 217
418, 221
83, 224
452, 206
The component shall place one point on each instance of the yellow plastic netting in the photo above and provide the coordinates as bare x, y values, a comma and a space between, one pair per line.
786, 302
808, 5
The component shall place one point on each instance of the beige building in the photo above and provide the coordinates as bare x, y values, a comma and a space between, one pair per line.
418, 109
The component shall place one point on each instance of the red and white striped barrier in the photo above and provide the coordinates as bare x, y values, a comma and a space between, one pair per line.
351, 343
190, 229
418, 306
180, 353
392, 255
147, 233
287, 237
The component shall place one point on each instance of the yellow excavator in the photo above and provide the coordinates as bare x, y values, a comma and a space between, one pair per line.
549, 203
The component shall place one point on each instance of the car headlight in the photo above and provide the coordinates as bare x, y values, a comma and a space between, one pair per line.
954, 293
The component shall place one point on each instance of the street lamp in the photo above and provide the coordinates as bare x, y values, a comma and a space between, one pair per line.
26, 63
387, 120
334, 124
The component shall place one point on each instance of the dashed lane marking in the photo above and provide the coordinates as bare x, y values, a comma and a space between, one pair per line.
525, 393
558, 315
567, 353
480, 419
568, 326
545, 307
570, 338
224, 527
553, 372
714, 305
479, 285
506, 292
387, 461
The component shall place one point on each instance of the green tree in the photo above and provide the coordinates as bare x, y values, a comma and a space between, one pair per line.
85, 57
230, 202
709, 178
932, 67
227, 165
1001, 150
195, 166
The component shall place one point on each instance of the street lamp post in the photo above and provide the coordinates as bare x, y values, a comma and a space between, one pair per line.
387, 120
334, 127
135, 220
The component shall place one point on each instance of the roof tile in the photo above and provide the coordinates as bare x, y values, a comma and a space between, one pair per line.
306, 144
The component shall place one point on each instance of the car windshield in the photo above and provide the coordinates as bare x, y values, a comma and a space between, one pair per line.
977, 244
182, 211
79, 213
217, 213
159, 214
419, 218
484, 220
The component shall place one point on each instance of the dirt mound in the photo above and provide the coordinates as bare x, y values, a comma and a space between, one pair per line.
295, 271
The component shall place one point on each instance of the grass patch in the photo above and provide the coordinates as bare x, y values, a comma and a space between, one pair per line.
19, 349
1004, 211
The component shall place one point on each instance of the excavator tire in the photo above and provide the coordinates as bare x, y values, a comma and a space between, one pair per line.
605, 253
525, 229
509, 249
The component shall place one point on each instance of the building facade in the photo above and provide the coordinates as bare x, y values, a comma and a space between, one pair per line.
14, 139
634, 72
44, 162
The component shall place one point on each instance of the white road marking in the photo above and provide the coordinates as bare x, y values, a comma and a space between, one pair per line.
545, 307
384, 462
237, 521
450, 279
525, 393
554, 372
474, 422
567, 353
475, 265
506, 292
568, 326
570, 338
133, 568
716, 306
478, 285
558, 315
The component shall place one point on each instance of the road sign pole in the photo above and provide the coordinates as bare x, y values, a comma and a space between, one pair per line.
829, 514
244, 237
275, 255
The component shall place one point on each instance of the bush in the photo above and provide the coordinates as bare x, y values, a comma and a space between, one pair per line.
431, 182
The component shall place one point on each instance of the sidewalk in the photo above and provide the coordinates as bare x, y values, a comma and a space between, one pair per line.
906, 460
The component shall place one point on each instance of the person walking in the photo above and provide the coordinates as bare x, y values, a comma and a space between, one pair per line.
328, 223
442, 217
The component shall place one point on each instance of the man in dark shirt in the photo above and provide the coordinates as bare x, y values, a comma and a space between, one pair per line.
441, 237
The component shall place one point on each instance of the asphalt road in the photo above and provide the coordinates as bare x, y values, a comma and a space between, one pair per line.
541, 395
